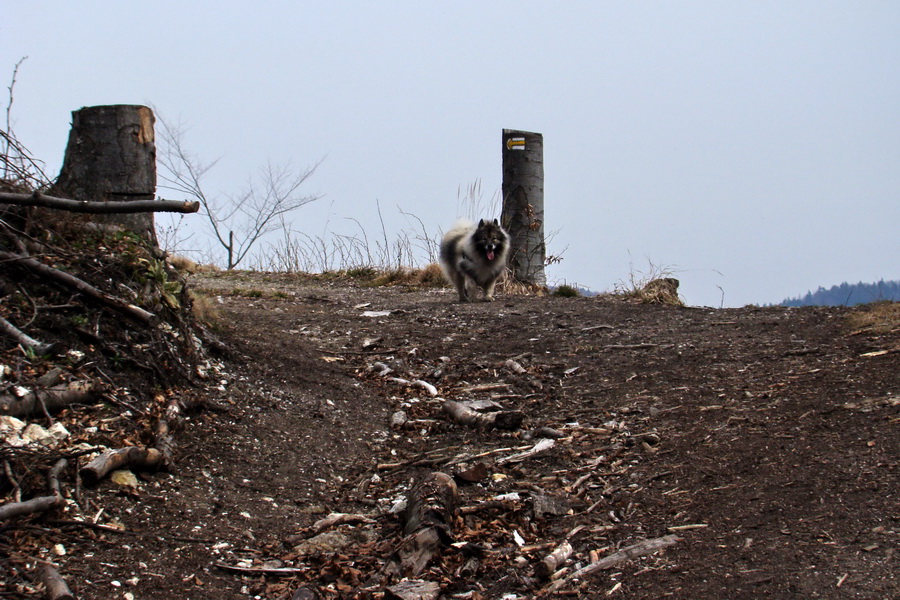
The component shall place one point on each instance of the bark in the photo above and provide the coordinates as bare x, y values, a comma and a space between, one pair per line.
111, 155
133, 457
413, 589
53, 399
165, 443
55, 584
523, 204
427, 525
97, 208
70, 281
500, 419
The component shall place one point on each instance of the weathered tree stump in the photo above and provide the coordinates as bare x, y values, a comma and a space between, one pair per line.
111, 155
523, 204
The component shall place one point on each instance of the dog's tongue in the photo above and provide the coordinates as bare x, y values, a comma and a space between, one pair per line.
490, 255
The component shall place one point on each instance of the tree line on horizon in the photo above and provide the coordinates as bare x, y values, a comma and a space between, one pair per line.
847, 294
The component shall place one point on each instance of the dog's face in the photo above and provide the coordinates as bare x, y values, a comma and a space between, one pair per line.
489, 238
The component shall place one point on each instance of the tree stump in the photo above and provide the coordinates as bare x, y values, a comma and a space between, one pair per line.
523, 204
111, 155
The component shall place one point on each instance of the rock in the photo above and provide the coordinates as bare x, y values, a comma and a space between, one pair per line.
413, 589
124, 478
35, 434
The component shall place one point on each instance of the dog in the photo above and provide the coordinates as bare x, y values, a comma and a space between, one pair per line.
474, 256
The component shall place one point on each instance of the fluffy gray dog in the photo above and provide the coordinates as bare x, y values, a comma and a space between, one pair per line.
474, 255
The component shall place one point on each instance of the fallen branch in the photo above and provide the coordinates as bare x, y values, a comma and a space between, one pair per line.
41, 503
39, 348
148, 459
111, 207
279, 571
53, 581
634, 551
539, 448
52, 399
335, 519
70, 281
27, 507
501, 419
646, 346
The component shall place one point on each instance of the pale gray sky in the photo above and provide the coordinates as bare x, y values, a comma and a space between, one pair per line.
751, 147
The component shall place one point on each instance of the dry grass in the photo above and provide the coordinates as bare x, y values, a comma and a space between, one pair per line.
203, 309
880, 317
428, 276
508, 285
655, 286
186, 265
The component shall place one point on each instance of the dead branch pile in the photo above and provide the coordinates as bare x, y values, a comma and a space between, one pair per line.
93, 323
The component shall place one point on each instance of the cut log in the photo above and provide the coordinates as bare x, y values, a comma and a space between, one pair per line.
53, 399
553, 561
111, 155
427, 525
501, 419
523, 204
133, 457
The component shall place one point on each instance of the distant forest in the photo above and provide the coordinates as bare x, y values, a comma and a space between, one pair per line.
848, 294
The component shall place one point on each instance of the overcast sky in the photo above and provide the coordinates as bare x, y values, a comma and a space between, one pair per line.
752, 148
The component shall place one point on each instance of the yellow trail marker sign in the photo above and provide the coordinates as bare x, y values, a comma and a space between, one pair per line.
516, 143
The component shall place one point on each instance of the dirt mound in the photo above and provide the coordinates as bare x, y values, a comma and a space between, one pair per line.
763, 439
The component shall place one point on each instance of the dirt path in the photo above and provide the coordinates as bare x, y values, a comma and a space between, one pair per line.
766, 439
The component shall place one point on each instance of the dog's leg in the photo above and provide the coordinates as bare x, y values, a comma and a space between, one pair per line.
465, 280
489, 290
471, 290
461, 283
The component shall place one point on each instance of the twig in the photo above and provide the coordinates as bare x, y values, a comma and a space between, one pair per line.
279, 571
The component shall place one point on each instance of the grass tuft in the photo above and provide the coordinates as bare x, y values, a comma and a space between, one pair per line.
566, 291
879, 317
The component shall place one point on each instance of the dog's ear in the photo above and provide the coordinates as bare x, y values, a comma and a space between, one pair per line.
481, 222
496, 223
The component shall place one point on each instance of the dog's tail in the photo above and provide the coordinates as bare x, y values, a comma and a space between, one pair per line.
460, 228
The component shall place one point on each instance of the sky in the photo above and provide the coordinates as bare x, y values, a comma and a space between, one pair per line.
750, 149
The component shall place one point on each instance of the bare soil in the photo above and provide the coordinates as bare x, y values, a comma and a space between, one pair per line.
766, 439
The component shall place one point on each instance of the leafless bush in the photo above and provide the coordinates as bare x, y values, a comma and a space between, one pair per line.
238, 221
19, 171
